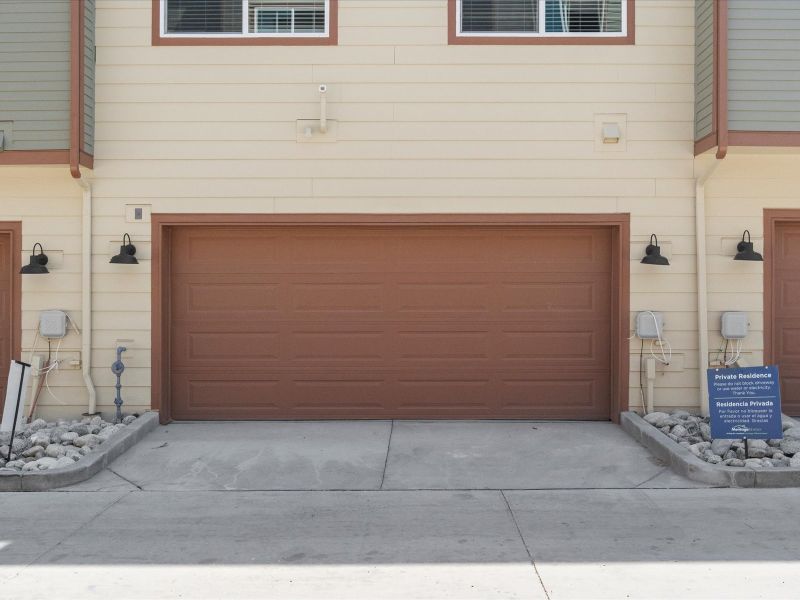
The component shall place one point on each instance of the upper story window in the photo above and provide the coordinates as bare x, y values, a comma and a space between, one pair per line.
246, 22
541, 21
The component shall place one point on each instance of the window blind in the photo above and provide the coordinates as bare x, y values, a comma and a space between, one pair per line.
287, 16
203, 16
559, 16
583, 16
263, 16
484, 16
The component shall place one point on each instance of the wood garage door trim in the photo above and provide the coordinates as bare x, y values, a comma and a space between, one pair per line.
772, 218
163, 224
13, 229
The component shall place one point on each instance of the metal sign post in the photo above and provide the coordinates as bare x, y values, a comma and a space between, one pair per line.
18, 377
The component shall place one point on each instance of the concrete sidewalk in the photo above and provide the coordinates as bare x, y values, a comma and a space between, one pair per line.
405, 510
701, 543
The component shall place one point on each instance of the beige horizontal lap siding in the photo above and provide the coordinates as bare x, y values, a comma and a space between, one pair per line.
48, 203
746, 183
421, 127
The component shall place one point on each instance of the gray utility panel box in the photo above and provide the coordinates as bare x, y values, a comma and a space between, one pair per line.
735, 325
649, 325
53, 324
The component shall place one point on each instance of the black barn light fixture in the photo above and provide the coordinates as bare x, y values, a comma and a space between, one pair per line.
127, 253
652, 254
37, 262
745, 249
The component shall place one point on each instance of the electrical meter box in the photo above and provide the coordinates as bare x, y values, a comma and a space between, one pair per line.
649, 325
735, 325
53, 324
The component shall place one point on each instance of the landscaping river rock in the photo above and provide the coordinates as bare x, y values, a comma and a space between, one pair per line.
41, 445
694, 433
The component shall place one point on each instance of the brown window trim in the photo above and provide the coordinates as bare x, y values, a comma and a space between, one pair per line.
455, 40
331, 40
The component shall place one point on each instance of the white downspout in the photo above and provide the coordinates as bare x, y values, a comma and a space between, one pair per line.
86, 295
702, 283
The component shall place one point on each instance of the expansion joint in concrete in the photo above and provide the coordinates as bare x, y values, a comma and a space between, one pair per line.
388, 448
524, 543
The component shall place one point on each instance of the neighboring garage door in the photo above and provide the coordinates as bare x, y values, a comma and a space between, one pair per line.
7, 313
786, 312
374, 322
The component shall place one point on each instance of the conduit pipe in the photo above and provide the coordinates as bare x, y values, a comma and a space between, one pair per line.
86, 295
323, 109
702, 282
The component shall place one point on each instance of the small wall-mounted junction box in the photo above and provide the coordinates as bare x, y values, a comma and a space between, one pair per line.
735, 325
649, 325
53, 324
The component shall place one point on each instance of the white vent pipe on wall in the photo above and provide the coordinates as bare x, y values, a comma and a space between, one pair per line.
323, 109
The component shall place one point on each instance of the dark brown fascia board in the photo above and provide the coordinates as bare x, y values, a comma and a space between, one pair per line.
764, 138
76, 89
719, 90
721, 77
34, 157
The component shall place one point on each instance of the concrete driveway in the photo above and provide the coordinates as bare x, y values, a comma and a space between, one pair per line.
405, 510
385, 455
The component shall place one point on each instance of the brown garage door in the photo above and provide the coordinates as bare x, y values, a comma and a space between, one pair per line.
316, 322
786, 312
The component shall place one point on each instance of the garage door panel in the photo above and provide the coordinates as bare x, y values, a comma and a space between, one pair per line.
577, 389
787, 246
553, 297
419, 345
223, 347
408, 394
383, 322
788, 296
366, 249
395, 298
201, 297
586, 348
567, 249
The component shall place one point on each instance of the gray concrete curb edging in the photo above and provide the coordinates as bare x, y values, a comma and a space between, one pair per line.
687, 464
86, 467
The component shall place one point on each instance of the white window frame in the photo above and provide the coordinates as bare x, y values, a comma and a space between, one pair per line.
541, 27
245, 27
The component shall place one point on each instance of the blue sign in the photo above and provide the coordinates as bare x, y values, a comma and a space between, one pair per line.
745, 403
